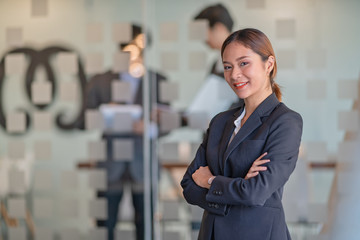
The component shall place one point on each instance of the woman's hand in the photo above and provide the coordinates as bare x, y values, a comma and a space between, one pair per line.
201, 177
256, 167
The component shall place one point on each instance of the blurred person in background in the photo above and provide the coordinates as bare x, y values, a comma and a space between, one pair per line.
122, 173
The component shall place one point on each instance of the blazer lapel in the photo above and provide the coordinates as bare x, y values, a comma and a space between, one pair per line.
228, 131
253, 122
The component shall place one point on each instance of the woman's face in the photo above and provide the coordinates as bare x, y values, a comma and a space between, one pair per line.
246, 73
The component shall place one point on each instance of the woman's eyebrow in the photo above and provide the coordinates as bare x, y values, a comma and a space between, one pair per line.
238, 59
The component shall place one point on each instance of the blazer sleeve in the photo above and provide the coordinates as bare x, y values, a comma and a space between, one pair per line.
192, 192
282, 146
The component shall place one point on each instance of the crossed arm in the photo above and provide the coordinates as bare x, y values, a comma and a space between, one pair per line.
254, 189
202, 175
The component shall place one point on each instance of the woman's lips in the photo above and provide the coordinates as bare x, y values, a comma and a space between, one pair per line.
240, 85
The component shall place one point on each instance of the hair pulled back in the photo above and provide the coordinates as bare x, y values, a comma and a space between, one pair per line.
258, 42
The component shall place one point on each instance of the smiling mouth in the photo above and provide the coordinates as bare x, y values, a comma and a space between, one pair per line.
240, 85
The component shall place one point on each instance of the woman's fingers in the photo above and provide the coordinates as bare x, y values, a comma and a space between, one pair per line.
257, 166
257, 169
261, 162
250, 175
261, 156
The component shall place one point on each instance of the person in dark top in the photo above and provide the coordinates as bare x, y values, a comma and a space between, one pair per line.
220, 26
120, 172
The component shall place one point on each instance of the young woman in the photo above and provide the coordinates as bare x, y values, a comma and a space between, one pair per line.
239, 190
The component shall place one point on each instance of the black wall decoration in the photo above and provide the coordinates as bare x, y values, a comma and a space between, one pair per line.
37, 58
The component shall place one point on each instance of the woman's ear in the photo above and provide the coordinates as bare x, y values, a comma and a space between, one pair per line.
270, 64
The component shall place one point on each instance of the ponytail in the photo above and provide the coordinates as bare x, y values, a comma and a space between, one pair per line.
276, 89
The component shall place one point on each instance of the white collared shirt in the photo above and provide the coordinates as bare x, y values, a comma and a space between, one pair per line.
237, 124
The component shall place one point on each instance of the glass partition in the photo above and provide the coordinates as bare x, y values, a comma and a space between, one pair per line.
71, 157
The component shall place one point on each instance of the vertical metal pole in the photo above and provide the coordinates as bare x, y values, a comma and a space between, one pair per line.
146, 138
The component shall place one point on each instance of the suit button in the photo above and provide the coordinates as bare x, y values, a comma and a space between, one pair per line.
210, 205
220, 192
216, 205
214, 192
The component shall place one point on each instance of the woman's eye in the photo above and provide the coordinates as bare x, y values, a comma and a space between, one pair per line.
227, 67
243, 63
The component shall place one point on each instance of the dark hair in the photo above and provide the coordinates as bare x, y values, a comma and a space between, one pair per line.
136, 30
260, 44
216, 13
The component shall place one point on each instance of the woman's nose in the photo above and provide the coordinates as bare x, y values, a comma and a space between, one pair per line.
236, 74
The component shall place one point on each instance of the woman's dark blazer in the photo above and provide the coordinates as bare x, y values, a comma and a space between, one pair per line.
236, 208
